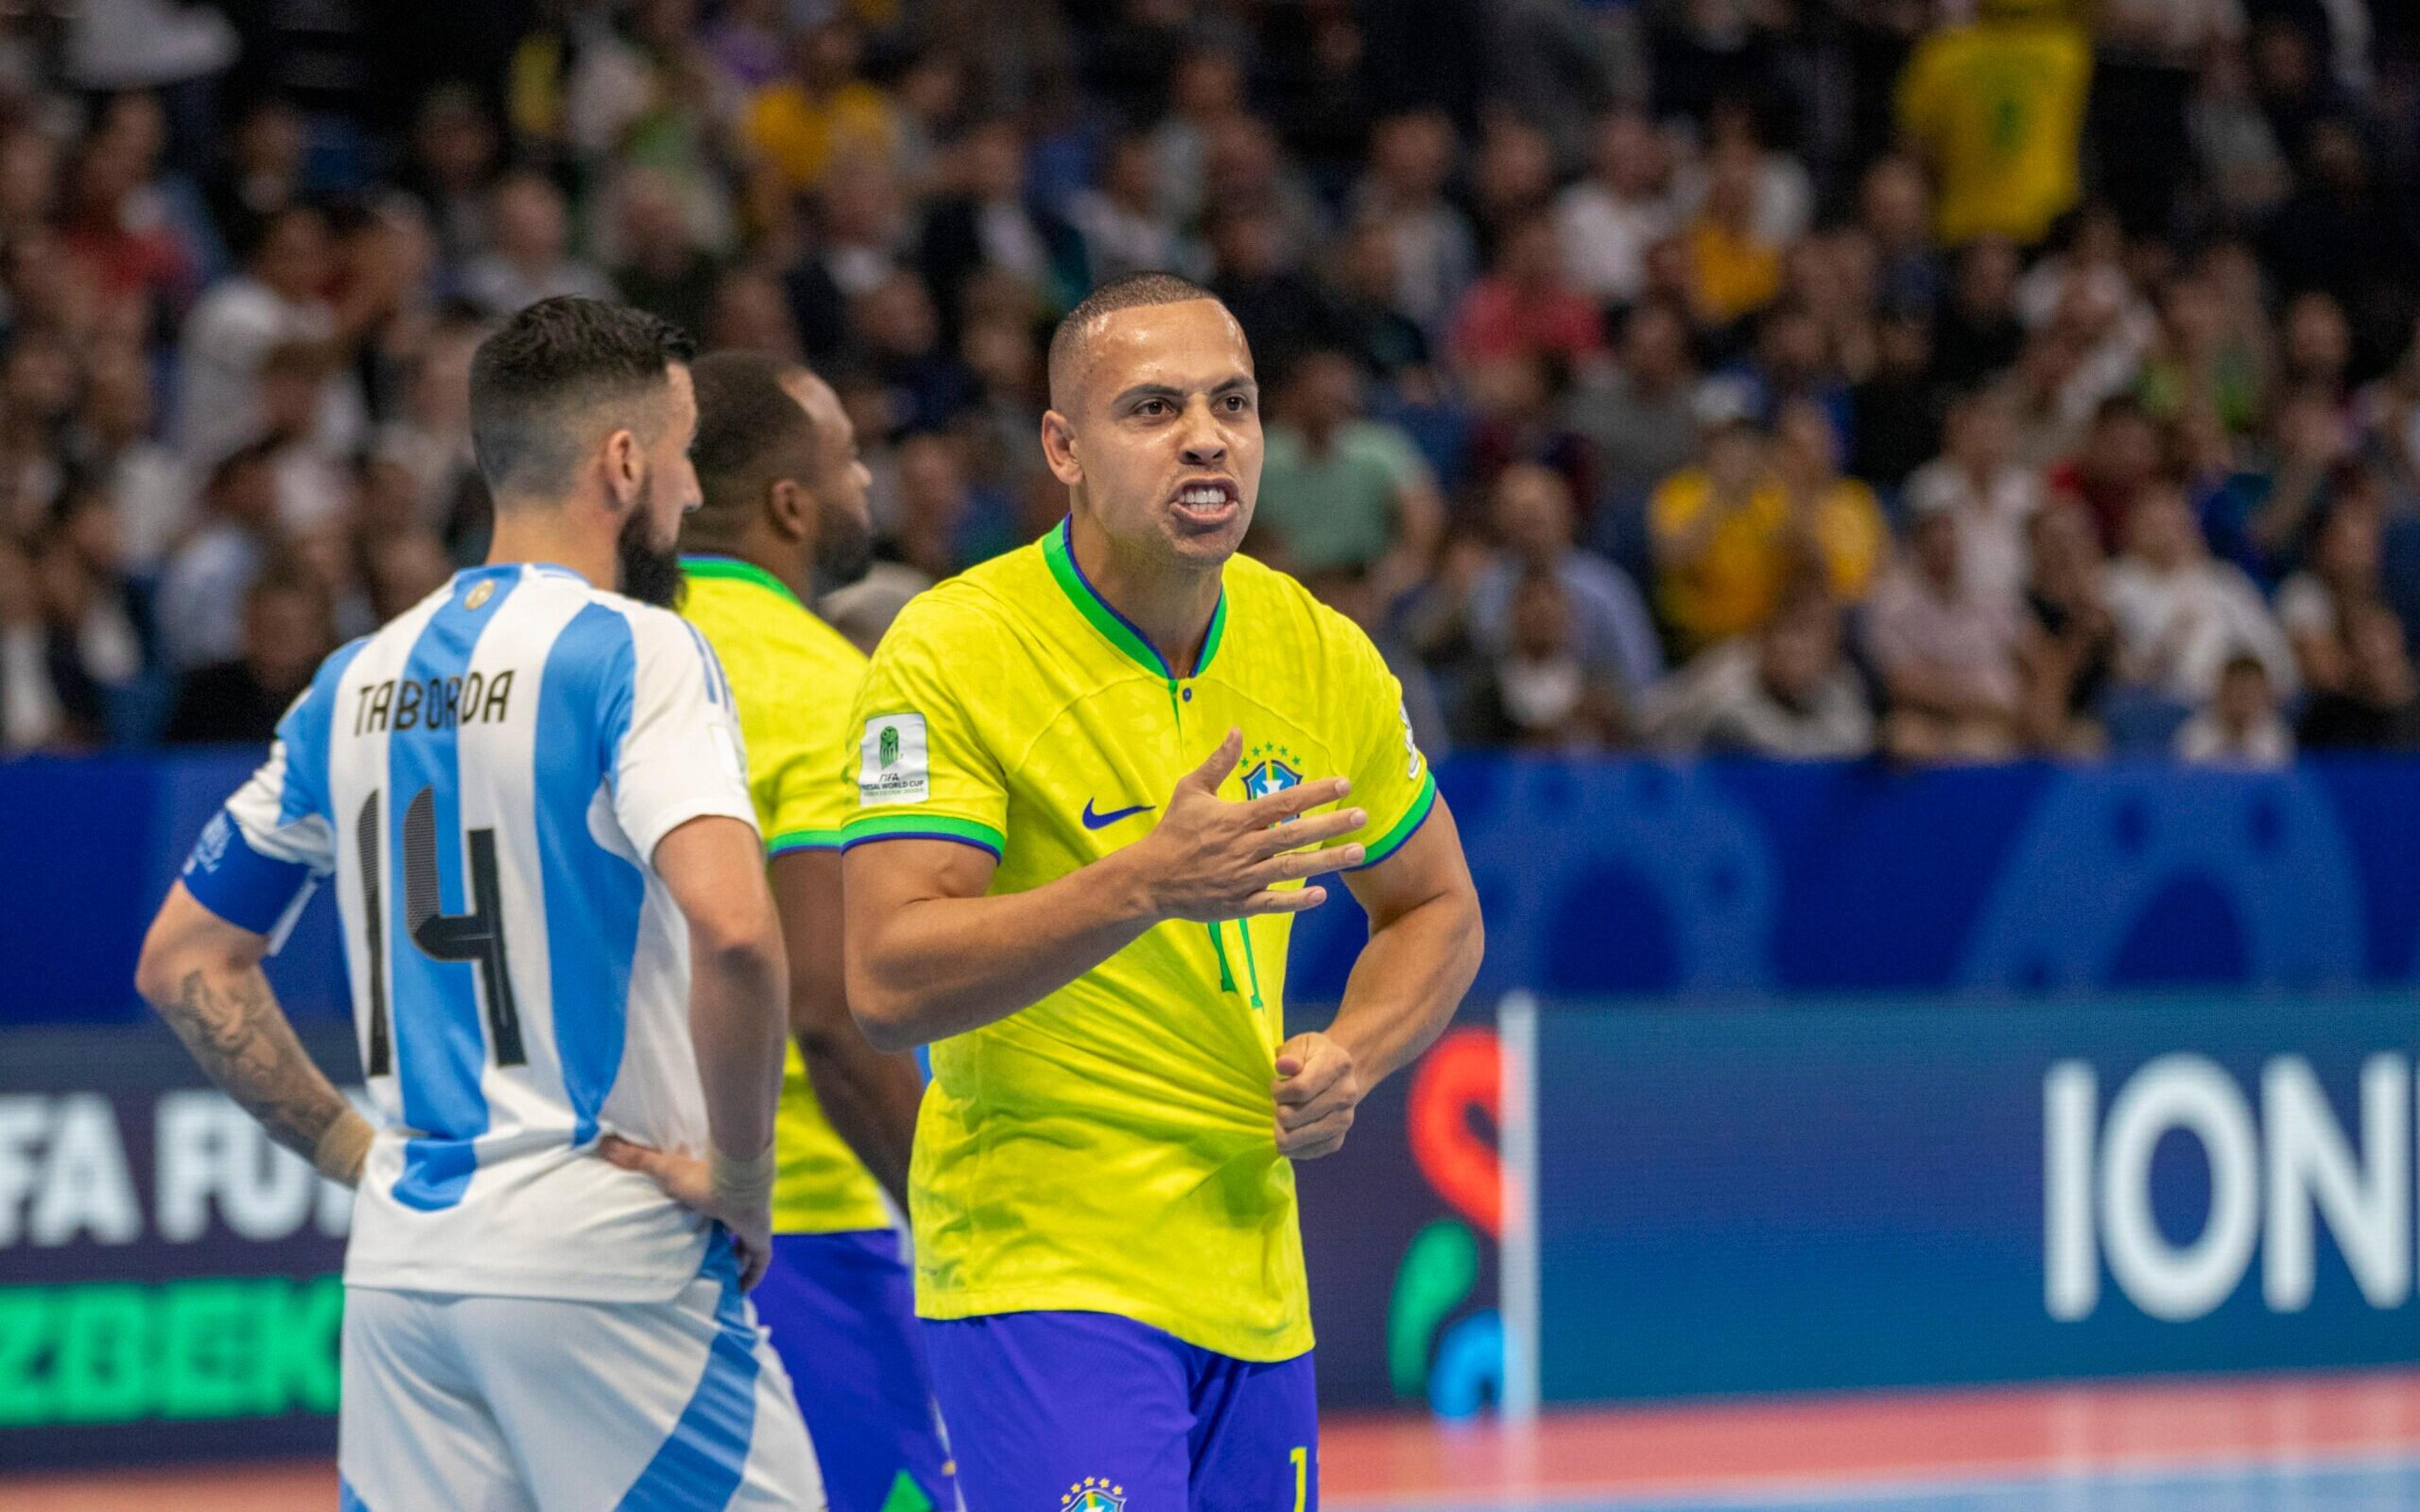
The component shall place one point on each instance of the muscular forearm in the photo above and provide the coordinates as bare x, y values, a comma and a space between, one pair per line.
736, 1024
1406, 984
229, 1019
939, 966
869, 1098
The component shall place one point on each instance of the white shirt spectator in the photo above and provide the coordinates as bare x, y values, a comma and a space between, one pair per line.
200, 608
2177, 629
1992, 517
218, 377
1604, 239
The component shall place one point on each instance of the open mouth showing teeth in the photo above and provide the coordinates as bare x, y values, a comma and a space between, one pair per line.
1205, 496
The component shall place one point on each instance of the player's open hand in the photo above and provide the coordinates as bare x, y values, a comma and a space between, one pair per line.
1317, 1089
1210, 861
689, 1182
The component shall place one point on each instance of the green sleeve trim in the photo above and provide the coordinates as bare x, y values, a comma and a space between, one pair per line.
803, 839
1392, 841
921, 827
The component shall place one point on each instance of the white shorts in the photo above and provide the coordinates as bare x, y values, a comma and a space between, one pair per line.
514, 1404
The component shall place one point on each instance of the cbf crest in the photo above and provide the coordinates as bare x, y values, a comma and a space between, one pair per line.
1094, 1493
1270, 767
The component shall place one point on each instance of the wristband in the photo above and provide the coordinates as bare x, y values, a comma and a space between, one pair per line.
746, 1183
342, 1147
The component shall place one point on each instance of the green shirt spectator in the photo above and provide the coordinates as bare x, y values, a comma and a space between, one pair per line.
1343, 493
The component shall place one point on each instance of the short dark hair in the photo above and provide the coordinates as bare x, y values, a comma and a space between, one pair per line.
751, 434
547, 369
1130, 291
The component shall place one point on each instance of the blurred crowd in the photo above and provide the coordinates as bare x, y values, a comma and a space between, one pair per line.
1955, 379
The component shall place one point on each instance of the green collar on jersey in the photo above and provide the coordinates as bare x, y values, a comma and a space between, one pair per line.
735, 570
1059, 549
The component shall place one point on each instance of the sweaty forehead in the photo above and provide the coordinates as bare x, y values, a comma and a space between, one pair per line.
1191, 345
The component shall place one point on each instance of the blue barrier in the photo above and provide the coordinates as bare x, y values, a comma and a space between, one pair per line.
1913, 1192
1717, 880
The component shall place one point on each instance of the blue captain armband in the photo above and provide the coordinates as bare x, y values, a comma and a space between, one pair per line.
242, 886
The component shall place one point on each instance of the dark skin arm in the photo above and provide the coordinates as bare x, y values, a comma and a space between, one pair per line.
870, 1097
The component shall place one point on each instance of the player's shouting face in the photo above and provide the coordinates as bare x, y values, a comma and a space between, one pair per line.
1159, 435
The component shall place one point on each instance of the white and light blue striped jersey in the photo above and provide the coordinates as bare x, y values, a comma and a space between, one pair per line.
487, 779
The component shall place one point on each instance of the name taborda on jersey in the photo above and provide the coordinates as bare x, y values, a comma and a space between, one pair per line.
433, 704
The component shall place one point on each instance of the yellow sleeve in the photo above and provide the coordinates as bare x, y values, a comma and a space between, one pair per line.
918, 765
811, 794
1390, 777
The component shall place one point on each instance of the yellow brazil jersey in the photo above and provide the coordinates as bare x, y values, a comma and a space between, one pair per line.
793, 679
1998, 107
1112, 1148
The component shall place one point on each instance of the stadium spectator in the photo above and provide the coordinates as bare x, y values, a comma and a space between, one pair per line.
2117, 466
1787, 692
97, 662
1735, 262
1606, 221
1947, 654
1411, 156
1343, 492
146, 485
1124, 226
2315, 605
286, 631
1524, 307
32, 716
1539, 693
530, 259
2181, 616
1720, 530
2070, 652
203, 586
1996, 107
1977, 481
1979, 336
277, 300
1638, 413
1895, 210
2240, 726
659, 267
821, 112
1608, 622
991, 223
2377, 707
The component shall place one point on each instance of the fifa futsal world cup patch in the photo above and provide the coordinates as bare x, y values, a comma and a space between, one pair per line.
892, 764
1094, 1493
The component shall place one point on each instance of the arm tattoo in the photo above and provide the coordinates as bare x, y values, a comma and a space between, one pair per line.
237, 1031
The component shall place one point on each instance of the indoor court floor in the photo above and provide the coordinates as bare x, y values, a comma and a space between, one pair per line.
2339, 1442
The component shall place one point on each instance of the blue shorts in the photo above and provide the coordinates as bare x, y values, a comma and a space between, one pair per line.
1093, 1413
841, 1310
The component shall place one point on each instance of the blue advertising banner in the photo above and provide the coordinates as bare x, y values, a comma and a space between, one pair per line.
1706, 882
165, 1269
1927, 1193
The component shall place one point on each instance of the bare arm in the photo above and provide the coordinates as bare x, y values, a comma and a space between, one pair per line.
714, 868
870, 1097
929, 955
1425, 943
203, 975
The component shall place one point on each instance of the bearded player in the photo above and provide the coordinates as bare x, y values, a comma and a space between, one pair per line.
1096, 778
784, 509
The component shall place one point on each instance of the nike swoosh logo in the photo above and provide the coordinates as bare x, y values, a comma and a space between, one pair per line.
1098, 820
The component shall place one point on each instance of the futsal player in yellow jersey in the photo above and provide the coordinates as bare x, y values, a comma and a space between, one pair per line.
1097, 777
784, 503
